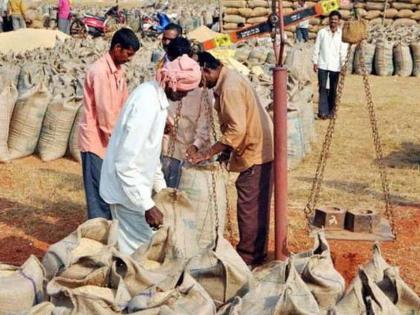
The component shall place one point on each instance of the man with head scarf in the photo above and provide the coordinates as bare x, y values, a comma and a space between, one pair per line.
131, 168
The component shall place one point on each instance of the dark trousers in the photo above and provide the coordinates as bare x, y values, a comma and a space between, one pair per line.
327, 96
302, 34
254, 187
96, 206
172, 169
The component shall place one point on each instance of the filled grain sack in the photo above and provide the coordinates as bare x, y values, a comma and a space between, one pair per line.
279, 290
317, 271
21, 287
391, 13
415, 53
383, 61
350, 64
406, 14
295, 139
90, 238
8, 97
230, 26
234, 19
258, 55
56, 127
404, 22
403, 60
73, 146
232, 11
26, 122
258, 3
369, 53
221, 272
31, 75
9, 72
403, 5
375, 6
234, 4
256, 20
210, 206
242, 53
416, 15
372, 14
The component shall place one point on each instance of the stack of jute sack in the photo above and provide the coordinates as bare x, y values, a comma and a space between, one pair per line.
242, 13
174, 274
41, 94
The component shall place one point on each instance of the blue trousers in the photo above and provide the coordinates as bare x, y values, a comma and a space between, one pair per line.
302, 34
96, 206
171, 169
327, 96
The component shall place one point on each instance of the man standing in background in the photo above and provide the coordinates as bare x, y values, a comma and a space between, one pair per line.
64, 16
105, 91
3, 14
17, 9
302, 33
328, 58
170, 32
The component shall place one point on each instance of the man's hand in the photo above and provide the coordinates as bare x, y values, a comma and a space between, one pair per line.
154, 217
315, 68
169, 126
191, 151
199, 157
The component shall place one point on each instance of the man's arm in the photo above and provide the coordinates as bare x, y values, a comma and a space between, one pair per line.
315, 57
159, 180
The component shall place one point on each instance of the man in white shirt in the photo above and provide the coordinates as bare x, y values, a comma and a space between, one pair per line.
302, 32
131, 169
328, 58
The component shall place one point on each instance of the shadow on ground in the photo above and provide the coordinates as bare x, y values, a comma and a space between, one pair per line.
408, 156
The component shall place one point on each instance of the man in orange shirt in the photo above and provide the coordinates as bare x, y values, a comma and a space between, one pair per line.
105, 91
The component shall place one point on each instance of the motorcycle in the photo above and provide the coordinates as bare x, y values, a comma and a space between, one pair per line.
97, 25
153, 26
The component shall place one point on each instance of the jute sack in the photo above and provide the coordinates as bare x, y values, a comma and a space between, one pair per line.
375, 6
188, 297
8, 97
73, 146
404, 22
405, 14
56, 128
279, 290
31, 75
21, 287
416, 15
317, 271
230, 26
391, 13
403, 60
245, 12
258, 3
403, 5
47, 308
415, 52
234, 4
26, 122
383, 62
234, 19
354, 31
90, 238
9, 72
350, 66
260, 12
232, 11
372, 14
365, 297
221, 272
242, 53
197, 183
369, 50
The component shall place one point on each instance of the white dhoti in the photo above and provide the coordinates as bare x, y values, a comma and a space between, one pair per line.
133, 229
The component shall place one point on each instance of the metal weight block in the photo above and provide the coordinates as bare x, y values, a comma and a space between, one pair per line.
362, 221
331, 218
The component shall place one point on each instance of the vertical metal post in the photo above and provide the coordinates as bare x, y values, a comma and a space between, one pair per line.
220, 16
280, 146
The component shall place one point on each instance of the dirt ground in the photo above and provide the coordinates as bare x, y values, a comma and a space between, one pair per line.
40, 203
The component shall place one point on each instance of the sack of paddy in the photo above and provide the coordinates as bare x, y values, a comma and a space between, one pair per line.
403, 5
354, 31
232, 11
404, 22
9, 72
221, 272
403, 60
350, 63
388, 280
73, 146
31, 75
258, 3
210, 206
375, 6
234, 4
279, 290
415, 52
295, 139
299, 65
8, 97
256, 20
90, 238
230, 26
372, 14
317, 271
26, 122
47, 308
242, 53
56, 128
234, 19
369, 53
258, 55
406, 14
391, 13
416, 15
383, 60
21, 287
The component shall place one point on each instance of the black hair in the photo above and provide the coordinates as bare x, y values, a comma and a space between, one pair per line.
173, 26
208, 61
126, 38
335, 13
178, 47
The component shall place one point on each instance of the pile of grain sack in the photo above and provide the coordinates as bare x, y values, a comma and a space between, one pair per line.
177, 274
41, 94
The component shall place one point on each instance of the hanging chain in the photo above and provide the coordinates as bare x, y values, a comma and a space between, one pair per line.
174, 131
377, 143
322, 163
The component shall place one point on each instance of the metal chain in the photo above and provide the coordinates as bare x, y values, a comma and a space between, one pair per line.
174, 131
322, 163
377, 143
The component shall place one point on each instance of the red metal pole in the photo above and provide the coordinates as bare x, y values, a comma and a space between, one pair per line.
280, 149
